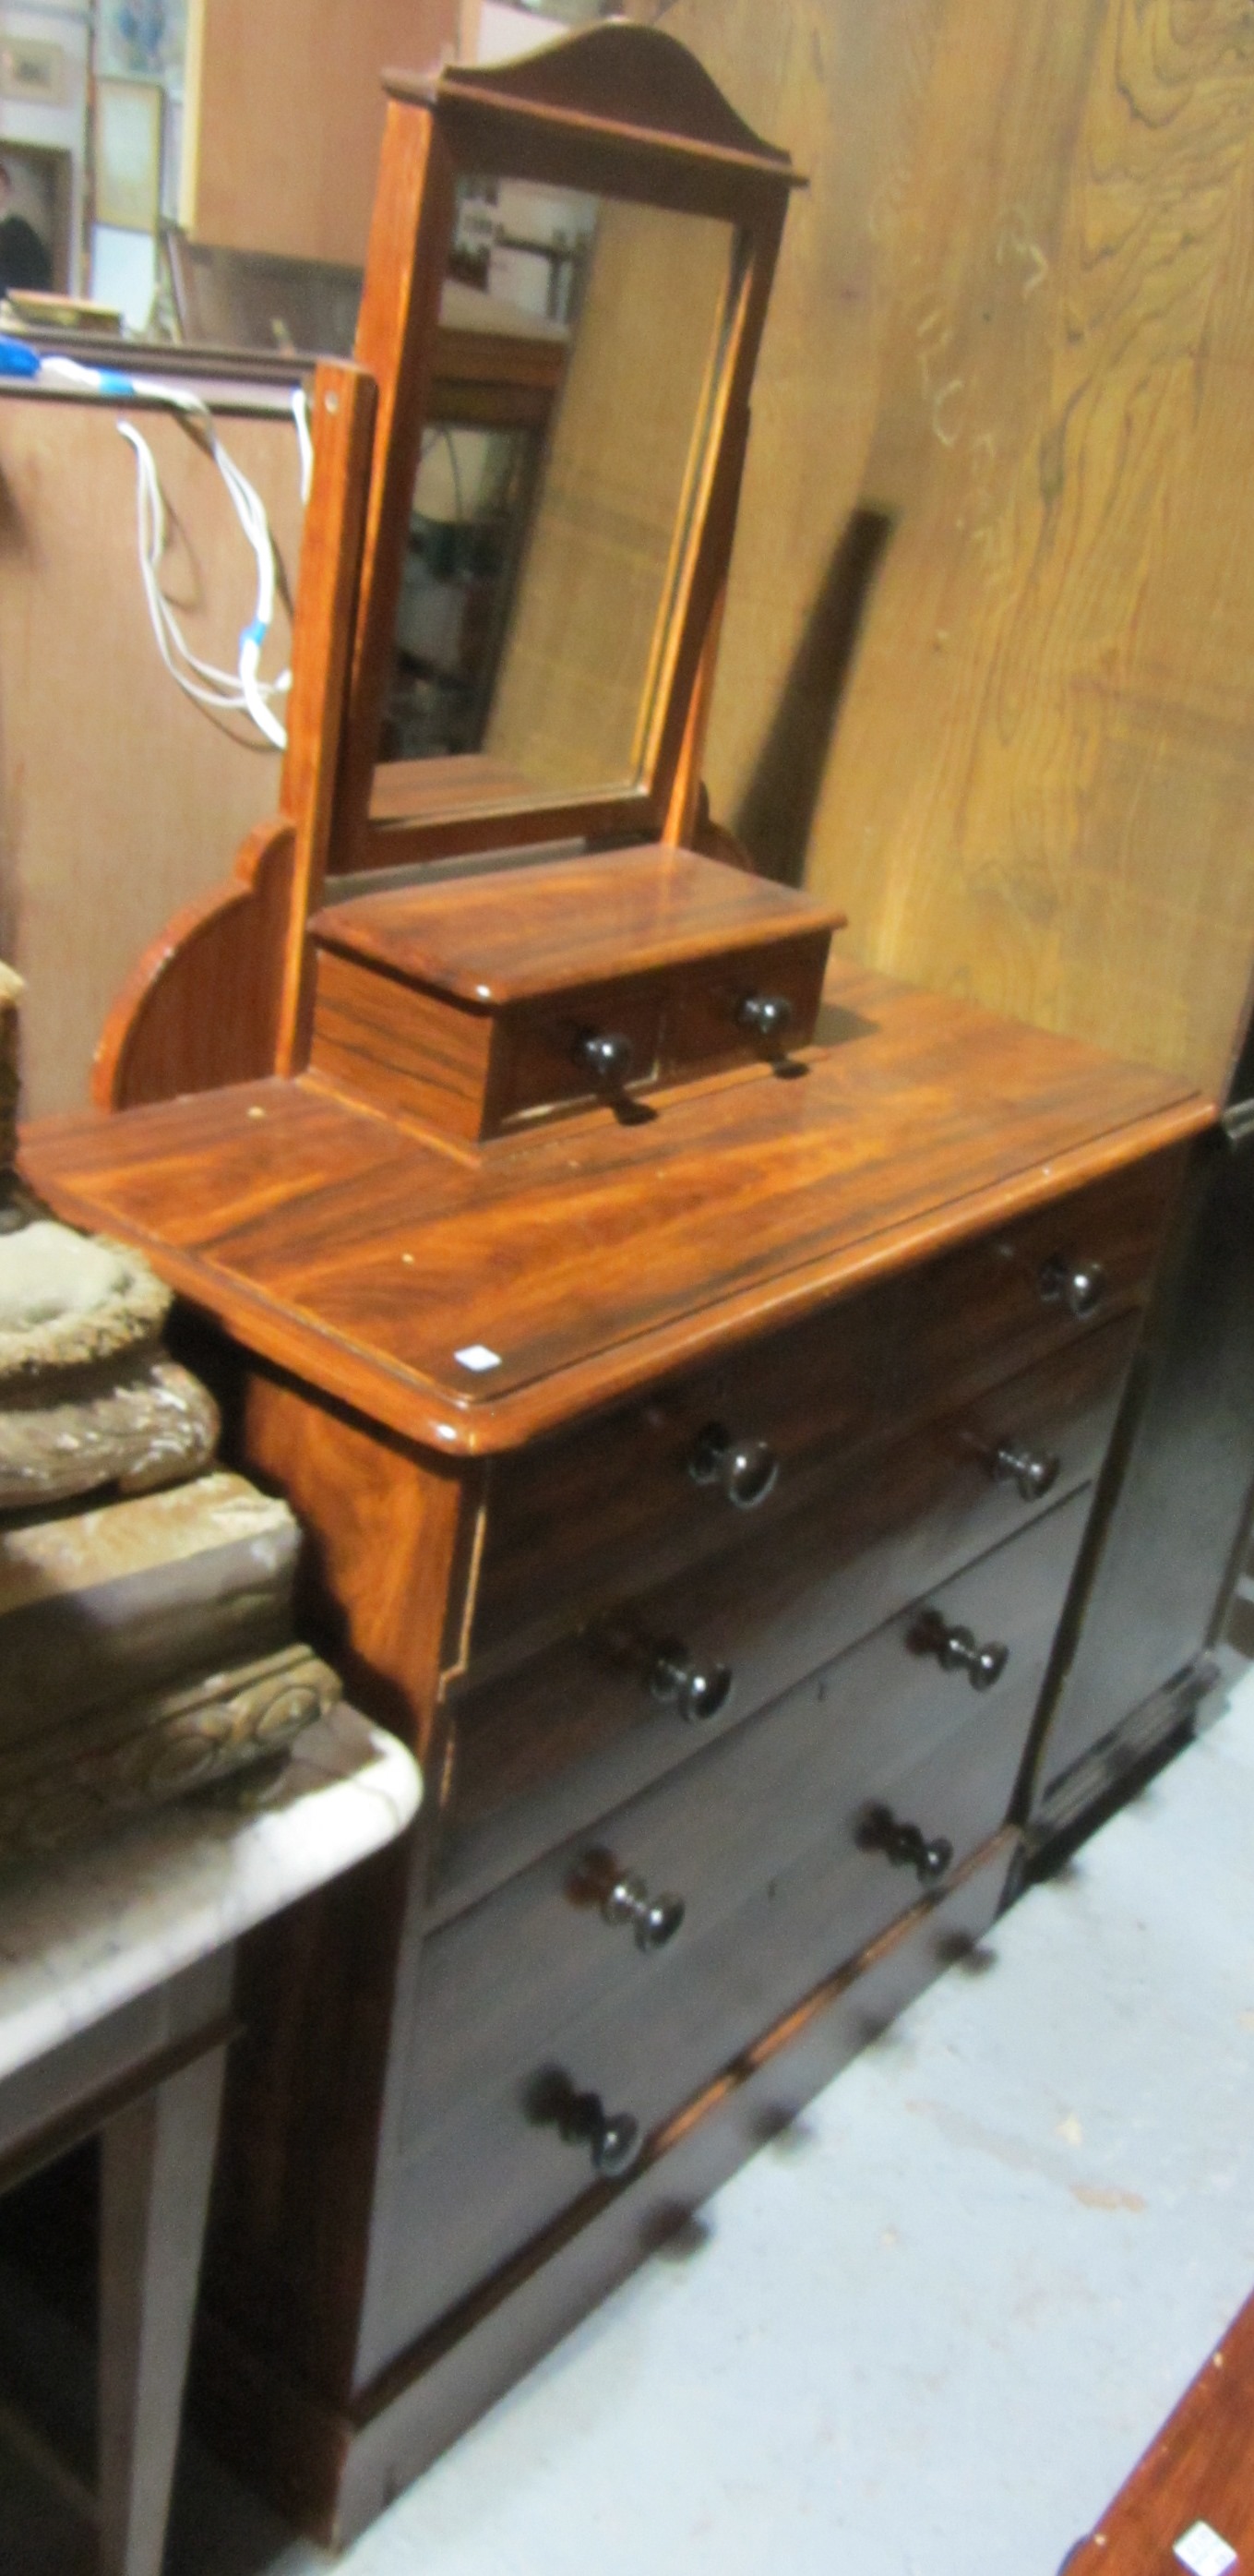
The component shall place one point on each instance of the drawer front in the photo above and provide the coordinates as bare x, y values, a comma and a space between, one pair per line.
537, 1061
709, 1005
539, 1752
743, 1811
616, 1504
794, 1844
643, 1491
977, 1313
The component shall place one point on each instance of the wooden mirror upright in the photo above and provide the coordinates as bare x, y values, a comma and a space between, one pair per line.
619, 575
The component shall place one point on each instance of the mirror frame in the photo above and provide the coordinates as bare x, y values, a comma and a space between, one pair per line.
615, 110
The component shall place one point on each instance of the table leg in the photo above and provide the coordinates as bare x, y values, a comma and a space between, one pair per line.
157, 2165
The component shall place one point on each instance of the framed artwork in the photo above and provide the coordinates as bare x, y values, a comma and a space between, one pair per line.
32, 72
144, 39
129, 122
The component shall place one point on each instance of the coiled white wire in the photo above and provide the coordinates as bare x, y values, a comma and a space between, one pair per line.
242, 691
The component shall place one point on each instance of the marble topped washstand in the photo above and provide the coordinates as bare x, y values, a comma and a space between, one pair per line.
116, 1966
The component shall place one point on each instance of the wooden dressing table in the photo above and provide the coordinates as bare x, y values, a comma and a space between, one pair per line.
692, 1368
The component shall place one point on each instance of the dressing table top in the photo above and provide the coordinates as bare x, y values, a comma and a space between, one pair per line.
592, 1256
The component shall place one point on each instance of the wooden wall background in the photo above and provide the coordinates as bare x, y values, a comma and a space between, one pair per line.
119, 799
988, 669
284, 117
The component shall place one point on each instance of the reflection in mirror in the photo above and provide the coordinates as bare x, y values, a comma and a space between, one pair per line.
550, 512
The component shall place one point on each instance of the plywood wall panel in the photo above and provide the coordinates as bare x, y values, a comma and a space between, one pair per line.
285, 116
119, 799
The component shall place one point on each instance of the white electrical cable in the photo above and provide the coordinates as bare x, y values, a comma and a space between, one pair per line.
304, 436
238, 692
242, 691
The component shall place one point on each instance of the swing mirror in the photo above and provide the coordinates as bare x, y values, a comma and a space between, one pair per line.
546, 551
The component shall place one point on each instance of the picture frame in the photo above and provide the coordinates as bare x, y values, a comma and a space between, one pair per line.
140, 39
129, 133
33, 72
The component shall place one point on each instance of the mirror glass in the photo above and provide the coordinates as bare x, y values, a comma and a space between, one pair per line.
582, 343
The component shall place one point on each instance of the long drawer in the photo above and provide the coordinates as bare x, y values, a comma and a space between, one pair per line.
648, 1488
793, 1844
540, 1751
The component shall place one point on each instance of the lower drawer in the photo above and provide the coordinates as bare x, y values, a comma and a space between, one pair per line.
793, 1844
578, 1729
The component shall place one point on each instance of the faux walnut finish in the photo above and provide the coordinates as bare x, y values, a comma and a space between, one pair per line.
495, 1560
350, 1249
463, 1006
891, 1281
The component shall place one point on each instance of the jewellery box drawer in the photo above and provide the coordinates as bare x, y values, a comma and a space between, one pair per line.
795, 1844
635, 1494
543, 1749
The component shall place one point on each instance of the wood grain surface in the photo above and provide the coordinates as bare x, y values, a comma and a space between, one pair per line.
286, 113
203, 1004
510, 935
1011, 338
1196, 2470
346, 1248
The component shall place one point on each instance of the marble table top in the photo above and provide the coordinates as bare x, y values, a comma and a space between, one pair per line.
84, 1932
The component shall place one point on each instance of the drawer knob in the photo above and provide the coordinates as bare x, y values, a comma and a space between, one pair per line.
612, 2137
605, 1055
700, 1691
1078, 1285
767, 1016
907, 1846
1034, 1472
655, 1920
745, 1470
956, 1651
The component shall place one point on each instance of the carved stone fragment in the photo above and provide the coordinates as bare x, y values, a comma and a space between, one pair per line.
101, 1606
146, 1751
153, 1425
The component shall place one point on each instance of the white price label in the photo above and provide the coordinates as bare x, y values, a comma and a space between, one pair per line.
1203, 2552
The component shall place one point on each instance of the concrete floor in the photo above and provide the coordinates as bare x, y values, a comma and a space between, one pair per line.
927, 2332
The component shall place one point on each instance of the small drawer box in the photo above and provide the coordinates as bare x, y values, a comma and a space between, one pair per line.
476, 1005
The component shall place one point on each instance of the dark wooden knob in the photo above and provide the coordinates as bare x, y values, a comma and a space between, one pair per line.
906, 1846
699, 1691
957, 1651
1034, 1472
745, 1470
654, 1920
768, 1016
1080, 1286
612, 2137
606, 1056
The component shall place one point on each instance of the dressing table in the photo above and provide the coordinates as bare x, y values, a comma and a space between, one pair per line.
691, 1357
